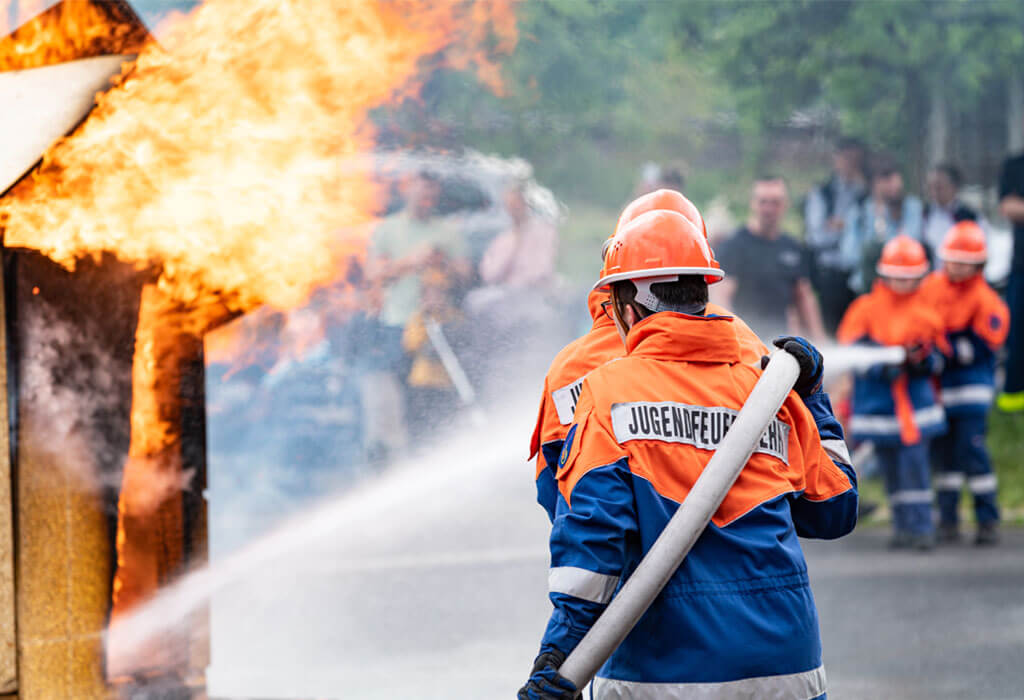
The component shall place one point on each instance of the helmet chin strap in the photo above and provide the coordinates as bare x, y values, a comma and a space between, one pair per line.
646, 298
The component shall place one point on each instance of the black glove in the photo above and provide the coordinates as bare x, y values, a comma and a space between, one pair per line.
812, 367
545, 683
921, 361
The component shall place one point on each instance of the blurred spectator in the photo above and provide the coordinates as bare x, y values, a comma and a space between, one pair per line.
944, 208
825, 214
432, 396
1011, 205
524, 255
888, 213
404, 242
767, 280
656, 177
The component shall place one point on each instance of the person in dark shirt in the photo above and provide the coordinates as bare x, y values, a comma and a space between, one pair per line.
825, 213
768, 282
1011, 205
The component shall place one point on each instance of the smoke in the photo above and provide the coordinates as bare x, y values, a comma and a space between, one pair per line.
69, 383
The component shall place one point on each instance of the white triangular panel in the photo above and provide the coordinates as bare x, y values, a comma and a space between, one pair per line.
39, 105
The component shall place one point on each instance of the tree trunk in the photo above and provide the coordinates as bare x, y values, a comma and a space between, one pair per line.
937, 135
1015, 112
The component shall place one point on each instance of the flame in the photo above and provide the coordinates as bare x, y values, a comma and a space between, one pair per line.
67, 31
150, 526
230, 157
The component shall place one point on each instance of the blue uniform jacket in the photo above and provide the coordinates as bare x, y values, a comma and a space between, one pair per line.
738, 614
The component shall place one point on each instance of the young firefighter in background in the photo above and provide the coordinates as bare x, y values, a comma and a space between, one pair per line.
738, 615
894, 405
976, 324
601, 344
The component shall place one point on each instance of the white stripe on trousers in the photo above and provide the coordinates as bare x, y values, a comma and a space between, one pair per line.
983, 483
793, 686
950, 481
910, 497
967, 394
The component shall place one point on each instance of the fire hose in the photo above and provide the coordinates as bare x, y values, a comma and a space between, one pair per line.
687, 524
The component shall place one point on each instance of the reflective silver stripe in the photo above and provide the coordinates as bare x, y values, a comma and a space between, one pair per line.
580, 583
908, 497
565, 400
968, 394
889, 425
985, 483
950, 481
838, 451
793, 686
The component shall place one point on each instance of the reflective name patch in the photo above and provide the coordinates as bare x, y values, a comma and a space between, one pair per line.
565, 400
702, 427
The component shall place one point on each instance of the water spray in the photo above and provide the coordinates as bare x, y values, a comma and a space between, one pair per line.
840, 359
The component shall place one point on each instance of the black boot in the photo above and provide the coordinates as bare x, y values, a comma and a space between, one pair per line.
949, 533
988, 535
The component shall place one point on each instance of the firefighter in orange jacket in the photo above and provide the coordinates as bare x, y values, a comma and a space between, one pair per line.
895, 405
738, 615
600, 345
976, 324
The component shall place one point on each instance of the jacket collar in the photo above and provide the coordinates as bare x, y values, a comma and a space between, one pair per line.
594, 300
673, 336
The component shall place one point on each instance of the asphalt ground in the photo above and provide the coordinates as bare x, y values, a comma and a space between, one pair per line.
443, 595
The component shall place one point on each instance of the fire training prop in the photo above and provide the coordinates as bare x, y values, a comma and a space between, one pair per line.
687, 524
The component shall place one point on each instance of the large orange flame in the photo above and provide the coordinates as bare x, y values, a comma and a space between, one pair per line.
229, 156
67, 31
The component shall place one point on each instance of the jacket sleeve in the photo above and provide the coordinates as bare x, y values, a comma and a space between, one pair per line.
546, 445
594, 520
827, 505
992, 322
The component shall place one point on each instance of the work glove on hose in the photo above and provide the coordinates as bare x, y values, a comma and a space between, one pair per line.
545, 682
812, 367
922, 361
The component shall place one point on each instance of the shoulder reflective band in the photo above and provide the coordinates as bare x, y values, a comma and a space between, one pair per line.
565, 400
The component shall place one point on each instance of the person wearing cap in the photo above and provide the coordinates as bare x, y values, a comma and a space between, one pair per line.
601, 344
737, 616
894, 403
976, 325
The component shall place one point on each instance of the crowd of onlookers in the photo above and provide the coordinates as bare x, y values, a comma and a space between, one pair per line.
782, 283
411, 335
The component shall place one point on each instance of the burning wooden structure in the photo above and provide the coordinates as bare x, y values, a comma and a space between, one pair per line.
105, 411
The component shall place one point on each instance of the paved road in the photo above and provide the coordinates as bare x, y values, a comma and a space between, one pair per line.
439, 592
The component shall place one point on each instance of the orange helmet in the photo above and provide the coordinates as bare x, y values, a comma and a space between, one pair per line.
657, 246
964, 243
669, 200
903, 258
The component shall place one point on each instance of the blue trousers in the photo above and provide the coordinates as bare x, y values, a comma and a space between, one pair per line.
1015, 343
961, 456
908, 482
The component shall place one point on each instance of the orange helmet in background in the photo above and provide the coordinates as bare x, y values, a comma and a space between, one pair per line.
903, 258
964, 243
657, 246
668, 200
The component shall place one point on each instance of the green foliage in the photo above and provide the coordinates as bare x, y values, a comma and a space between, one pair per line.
596, 87
1006, 442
